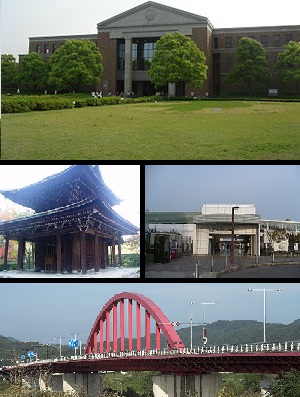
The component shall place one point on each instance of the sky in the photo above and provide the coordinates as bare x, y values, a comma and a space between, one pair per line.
274, 189
22, 19
123, 180
41, 311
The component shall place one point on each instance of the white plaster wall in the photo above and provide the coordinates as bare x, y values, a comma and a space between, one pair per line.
202, 240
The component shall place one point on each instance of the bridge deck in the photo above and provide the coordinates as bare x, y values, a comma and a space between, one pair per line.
262, 362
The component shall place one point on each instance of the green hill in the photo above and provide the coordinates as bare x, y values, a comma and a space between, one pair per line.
241, 331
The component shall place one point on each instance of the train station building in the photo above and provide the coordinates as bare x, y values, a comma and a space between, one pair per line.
127, 42
210, 230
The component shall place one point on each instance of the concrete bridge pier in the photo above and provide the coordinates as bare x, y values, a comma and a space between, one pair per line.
202, 385
89, 382
72, 383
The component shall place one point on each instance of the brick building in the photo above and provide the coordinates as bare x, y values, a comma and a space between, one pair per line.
128, 40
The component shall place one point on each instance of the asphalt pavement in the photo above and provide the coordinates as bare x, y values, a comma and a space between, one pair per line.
277, 271
218, 266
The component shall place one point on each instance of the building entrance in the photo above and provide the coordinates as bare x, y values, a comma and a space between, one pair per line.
219, 244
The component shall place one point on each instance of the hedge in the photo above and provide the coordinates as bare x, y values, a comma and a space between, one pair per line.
21, 104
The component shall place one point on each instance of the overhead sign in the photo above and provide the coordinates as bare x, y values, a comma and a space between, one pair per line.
30, 354
73, 343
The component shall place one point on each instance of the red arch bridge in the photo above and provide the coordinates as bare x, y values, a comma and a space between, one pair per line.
107, 348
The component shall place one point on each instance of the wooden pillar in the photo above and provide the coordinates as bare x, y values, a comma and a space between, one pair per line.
67, 249
113, 252
120, 253
105, 254
58, 253
5, 267
21, 248
96, 252
83, 252
76, 253
39, 254
101, 250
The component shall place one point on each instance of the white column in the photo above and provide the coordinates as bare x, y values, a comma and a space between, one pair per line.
128, 66
171, 90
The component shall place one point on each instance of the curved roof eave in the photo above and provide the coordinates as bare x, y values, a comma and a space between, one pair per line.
22, 195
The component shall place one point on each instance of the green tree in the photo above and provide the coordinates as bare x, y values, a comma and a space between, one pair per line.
288, 63
75, 64
227, 391
287, 386
33, 71
9, 71
251, 67
132, 244
251, 383
177, 58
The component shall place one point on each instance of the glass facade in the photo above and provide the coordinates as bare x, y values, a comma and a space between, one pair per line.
121, 55
142, 53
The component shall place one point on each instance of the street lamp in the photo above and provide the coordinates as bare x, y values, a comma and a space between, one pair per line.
60, 338
264, 290
204, 335
75, 348
232, 235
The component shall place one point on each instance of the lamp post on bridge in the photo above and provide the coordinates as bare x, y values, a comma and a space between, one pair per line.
76, 344
191, 323
264, 290
204, 335
60, 338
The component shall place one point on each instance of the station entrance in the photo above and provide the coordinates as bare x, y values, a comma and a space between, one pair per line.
219, 244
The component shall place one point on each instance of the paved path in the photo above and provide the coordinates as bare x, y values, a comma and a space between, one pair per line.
185, 267
278, 271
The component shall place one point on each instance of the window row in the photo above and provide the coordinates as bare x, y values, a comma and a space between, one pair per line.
275, 40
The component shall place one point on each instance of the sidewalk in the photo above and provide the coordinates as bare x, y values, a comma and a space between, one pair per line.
210, 266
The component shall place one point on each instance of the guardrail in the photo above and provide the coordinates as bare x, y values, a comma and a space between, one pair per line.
260, 347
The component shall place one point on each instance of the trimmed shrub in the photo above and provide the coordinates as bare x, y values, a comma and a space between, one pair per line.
21, 104
131, 260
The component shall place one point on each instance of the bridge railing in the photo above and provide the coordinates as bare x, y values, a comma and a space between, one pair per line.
272, 347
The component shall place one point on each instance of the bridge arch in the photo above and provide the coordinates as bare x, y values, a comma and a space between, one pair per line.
115, 308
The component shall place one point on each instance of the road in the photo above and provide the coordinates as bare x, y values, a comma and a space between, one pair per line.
185, 267
284, 271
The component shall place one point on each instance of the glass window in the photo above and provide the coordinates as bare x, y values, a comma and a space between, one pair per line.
149, 50
228, 64
228, 42
276, 40
264, 41
288, 38
134, 51
121, 55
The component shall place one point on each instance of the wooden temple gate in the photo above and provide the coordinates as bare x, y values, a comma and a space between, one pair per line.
75, 227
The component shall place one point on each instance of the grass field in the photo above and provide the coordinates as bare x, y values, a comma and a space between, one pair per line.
199, 130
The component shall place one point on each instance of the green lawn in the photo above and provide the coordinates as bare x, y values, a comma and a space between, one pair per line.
199, 130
